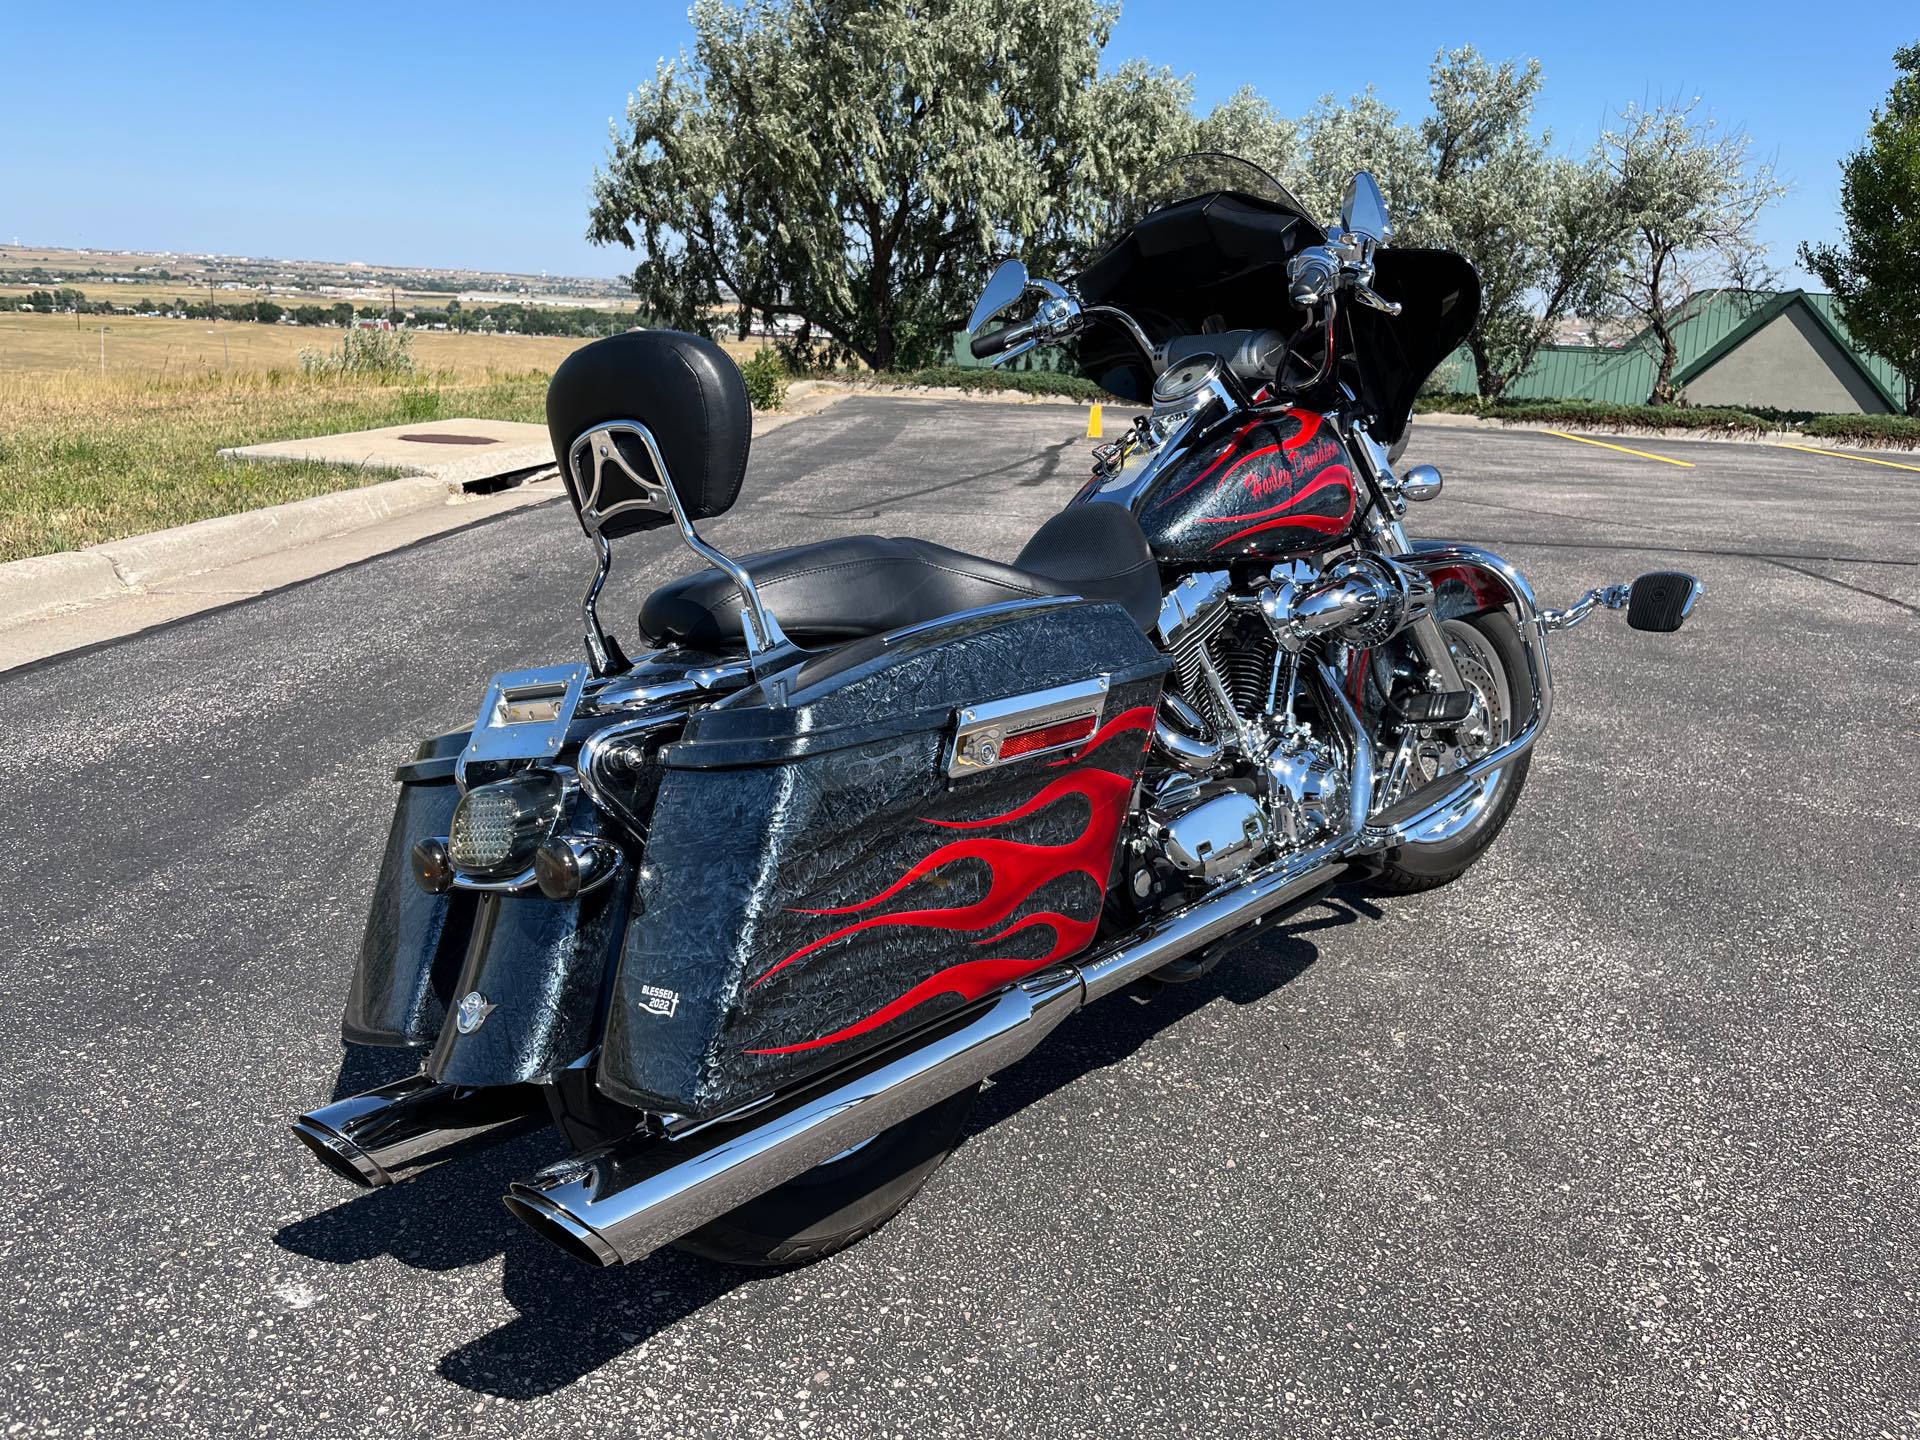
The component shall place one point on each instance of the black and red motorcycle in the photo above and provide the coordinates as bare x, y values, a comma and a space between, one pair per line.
752, 915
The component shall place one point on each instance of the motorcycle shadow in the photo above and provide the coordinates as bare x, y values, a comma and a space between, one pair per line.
1110, 1034
572, 1320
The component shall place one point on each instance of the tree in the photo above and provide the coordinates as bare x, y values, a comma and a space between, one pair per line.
1689, 196
1364, 134
1246, 125
1876, 275
1535, 225
855, 164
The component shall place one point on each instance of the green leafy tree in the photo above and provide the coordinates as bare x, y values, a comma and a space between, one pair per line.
1537, 226
1246, 124
1875, 274
1688, 195
854, 164
1365, 133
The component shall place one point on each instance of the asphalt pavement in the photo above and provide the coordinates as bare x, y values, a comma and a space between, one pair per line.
1613, 1137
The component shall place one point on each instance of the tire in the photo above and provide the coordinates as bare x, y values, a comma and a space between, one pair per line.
843, 1200
814, 1214
1413, 868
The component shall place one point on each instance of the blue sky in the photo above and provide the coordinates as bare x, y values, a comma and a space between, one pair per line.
467, 135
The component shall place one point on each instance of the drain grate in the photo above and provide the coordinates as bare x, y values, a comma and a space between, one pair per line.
451, 439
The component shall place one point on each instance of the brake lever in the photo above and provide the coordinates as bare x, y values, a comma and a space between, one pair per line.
1366, 296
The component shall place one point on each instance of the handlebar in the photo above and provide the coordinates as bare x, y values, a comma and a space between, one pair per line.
1319, 272
994, 341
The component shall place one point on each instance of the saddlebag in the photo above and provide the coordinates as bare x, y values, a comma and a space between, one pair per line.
929, 816
542, 964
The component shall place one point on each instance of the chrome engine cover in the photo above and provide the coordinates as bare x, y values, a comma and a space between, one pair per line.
1305, 790
1209, 831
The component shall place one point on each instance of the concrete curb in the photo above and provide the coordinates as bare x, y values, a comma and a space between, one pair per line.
45, 583
1447, 420
143, 573
943, 392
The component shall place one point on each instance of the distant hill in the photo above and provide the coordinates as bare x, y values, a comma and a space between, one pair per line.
142, 273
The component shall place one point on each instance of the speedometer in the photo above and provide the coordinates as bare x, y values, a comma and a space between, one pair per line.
1184, 379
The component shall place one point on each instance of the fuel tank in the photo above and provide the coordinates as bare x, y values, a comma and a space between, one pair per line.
1268, 487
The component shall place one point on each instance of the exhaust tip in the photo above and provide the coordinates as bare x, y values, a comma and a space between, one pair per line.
556, 1226
339, 1155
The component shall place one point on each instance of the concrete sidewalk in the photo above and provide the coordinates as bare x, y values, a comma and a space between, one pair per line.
50, 604
54, 603
460, 452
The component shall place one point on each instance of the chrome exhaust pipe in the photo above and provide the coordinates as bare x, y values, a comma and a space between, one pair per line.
614, 1205
399, 1129
619, 1203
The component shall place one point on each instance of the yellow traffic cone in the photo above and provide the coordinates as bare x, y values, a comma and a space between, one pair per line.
1093, 423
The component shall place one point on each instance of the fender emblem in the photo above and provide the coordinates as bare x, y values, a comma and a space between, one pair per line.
656, 1001
473, 1012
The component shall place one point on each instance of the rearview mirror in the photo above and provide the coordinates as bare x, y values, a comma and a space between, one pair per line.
1004, 287
1363, 212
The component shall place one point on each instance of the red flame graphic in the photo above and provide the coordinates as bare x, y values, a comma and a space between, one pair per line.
1019, 869
1325, 524
1309, 422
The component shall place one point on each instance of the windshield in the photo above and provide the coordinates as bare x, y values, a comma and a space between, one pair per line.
1206, 173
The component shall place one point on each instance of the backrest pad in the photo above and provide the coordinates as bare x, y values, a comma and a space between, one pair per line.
687, 393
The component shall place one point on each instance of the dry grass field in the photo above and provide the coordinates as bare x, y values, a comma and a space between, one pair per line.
87, 456
149, 345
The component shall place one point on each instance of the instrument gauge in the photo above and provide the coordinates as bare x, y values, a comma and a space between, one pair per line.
1181, 381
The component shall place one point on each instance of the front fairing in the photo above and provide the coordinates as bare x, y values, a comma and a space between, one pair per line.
1218, 261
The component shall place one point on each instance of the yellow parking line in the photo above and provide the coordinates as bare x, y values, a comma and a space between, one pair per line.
1843, 455
1643, 454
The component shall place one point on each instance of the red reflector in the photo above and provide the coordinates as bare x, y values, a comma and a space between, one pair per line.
1062, 732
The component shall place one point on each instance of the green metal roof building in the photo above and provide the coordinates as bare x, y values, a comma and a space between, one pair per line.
1785, 351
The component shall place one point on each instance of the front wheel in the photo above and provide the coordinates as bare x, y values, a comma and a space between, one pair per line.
1493, 664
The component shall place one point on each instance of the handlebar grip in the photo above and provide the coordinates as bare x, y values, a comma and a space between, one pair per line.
994, 341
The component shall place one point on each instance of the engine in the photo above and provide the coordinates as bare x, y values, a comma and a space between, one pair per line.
1249, 761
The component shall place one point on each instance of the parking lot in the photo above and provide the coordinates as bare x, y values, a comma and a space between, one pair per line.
1615, 1136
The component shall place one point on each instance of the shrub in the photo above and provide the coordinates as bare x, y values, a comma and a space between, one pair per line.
1024, 382
1717, 420
1901, 430
766, 377
365, 354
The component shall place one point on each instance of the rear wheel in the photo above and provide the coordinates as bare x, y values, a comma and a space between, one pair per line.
841, 1200
1493, 665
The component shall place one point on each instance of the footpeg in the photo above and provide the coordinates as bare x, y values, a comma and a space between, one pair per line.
1661, 600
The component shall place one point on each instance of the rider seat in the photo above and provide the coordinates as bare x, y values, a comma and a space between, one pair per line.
861, 585
652, 428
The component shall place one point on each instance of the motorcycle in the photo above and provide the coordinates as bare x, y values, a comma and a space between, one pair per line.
752, 916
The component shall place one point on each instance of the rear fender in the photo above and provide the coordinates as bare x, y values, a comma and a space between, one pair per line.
411, 951
532, 992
